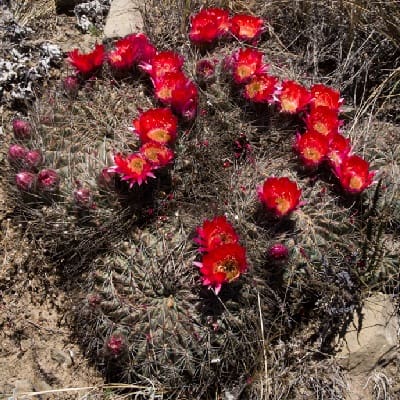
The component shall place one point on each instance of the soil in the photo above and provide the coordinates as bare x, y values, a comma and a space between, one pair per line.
38, 352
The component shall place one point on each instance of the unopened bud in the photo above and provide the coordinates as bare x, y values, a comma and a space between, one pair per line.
106, 178
21, 128
83, 197
16, 154
278, 251
25, 180
33, 158
71, 85
48, 180
115, 344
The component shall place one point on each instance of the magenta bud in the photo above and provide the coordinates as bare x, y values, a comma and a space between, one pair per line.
25, 180
205, 69
33, 158
48, 180
94, 300
71, 85
83, 197
115, 344
278, 251
16, 154
106, 178
21, 128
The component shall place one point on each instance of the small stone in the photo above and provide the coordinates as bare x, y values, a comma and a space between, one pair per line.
365, 347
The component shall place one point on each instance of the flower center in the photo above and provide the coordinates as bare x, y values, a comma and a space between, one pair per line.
247, 31
320, 127
253, 89
289, 104
165, 93
311, 153
136, 165
230, 268
245, 71
355, 182
282, 205
159, 135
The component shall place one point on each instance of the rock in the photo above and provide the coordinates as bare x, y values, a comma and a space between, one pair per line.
21, 387
374, 342
123, 19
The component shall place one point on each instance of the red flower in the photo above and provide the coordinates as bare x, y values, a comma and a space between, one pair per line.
17, 154
339, 149
326, 97
133, 168
157, 154
223, 264
261, 88
208, 25
247, 63
354, 174
21, 128
166, 85
146, 51
293, 97
215, 233
125, 54
156, 125
323, 120
87, 63
312, 148
162, 63
185, 100
247, 27
116, 344
280, 195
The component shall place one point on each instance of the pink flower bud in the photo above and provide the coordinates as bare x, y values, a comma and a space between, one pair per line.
83, 198
21, 128
106, 178
115, 344
25, 180
278, 251
33, 158
48, 180
71, 85
16, 154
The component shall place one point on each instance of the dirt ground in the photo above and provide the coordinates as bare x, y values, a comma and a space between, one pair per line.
37, 351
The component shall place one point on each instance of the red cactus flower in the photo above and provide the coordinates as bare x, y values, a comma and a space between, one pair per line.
280, 195
87, 63
214, 233
278, 251
146, 51
16, 154
324, 96
223, 264
339, 149
21, 128
208, 25
323, 120
261, 88
247, 27
125, 54
246, 63
157, 154
162, 63
185, 100
354, 174
165, 86
293, 97
48, 180
156, 125
25, 181
134, 168
312, 148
